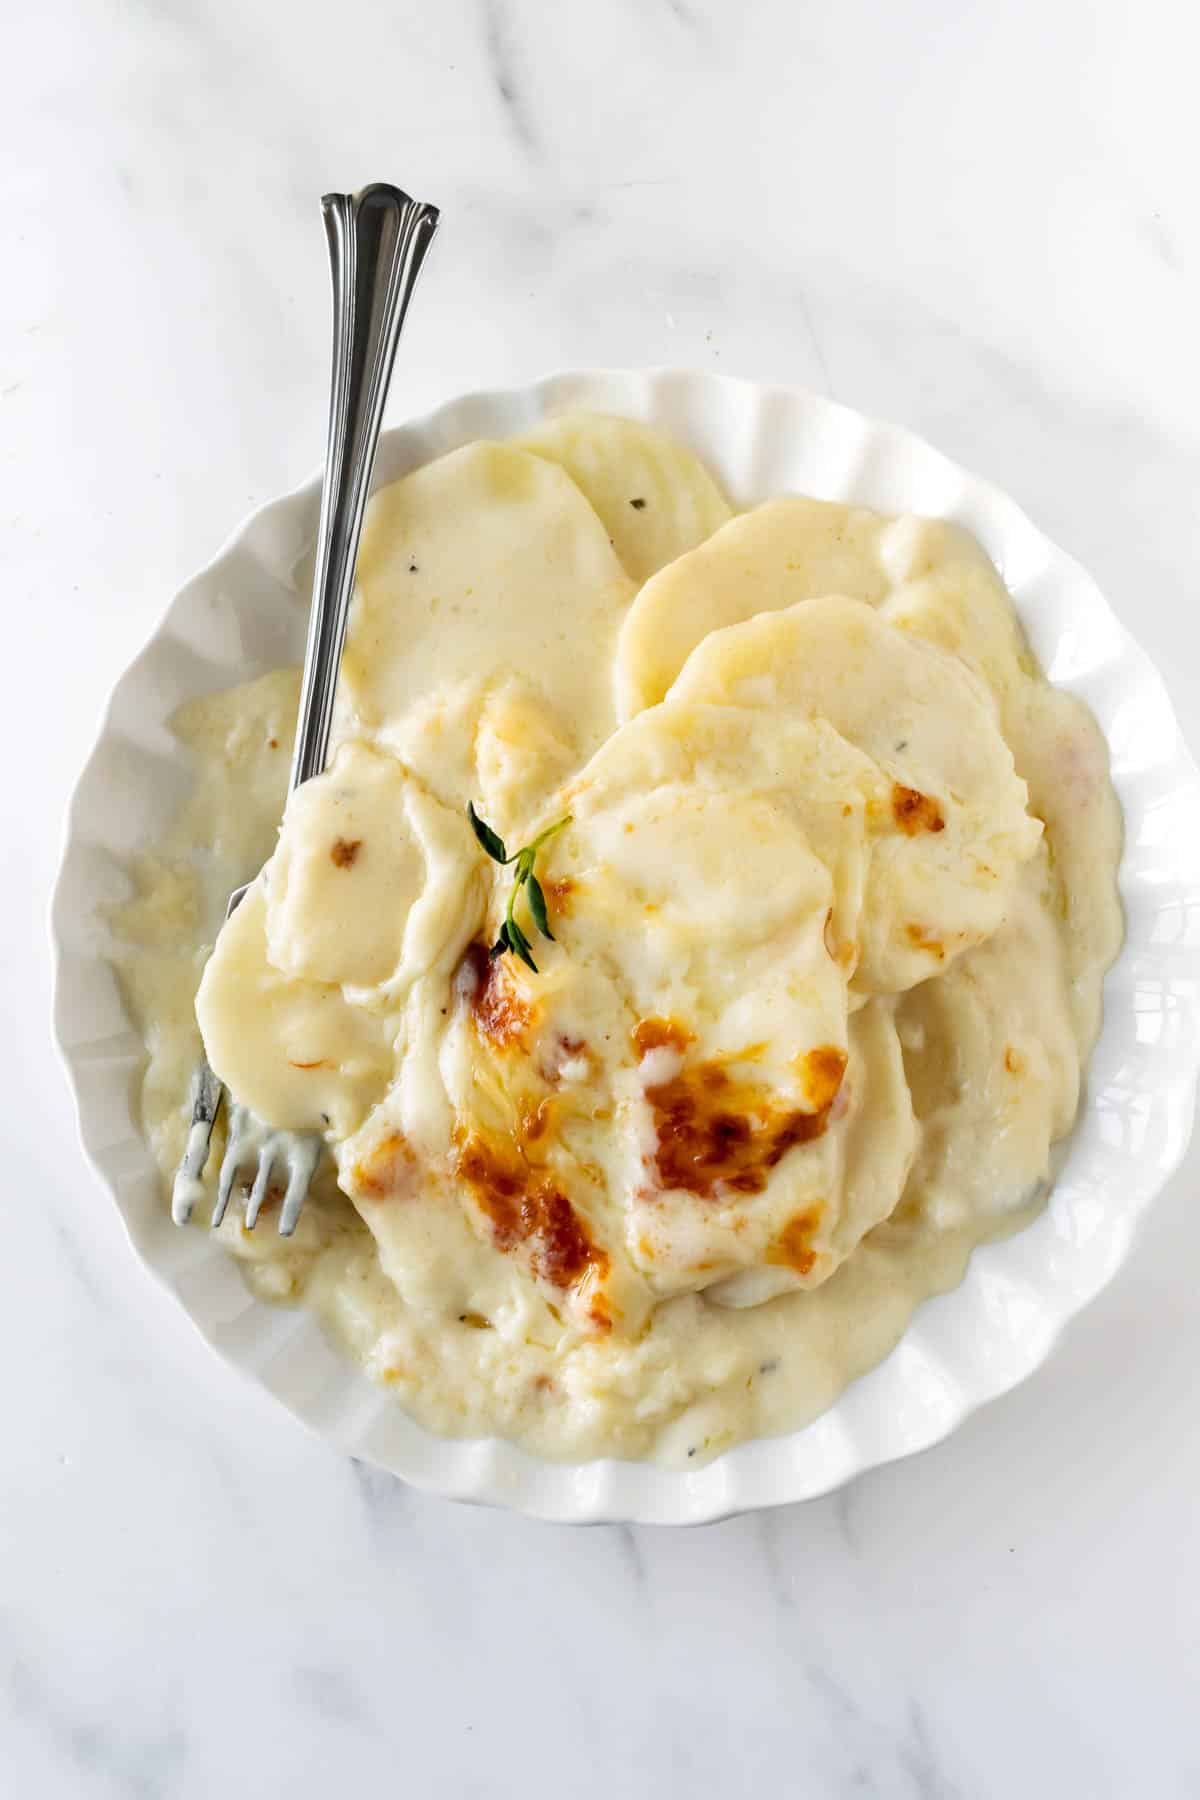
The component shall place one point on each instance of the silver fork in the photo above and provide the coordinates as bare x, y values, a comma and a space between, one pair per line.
378, 239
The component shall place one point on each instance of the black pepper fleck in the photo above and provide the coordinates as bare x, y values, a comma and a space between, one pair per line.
637, 505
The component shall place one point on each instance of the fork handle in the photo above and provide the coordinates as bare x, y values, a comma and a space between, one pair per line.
378, 240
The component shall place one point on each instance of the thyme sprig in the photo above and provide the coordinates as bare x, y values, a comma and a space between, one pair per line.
511, 935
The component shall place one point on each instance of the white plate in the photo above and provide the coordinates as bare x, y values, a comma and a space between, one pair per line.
244, 615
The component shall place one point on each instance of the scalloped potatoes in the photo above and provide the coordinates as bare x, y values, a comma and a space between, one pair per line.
829, 923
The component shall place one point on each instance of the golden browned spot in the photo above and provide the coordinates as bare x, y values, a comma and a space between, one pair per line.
920, 939
384, 1171
536, 1121
525, 1206
555, 1054
660, 1034
914, 812
841, 951
599, 1314
497, 1179
714, 1131
1014, 1062
558, 894
319, 1064
821, 1071
501, 1011
475, 1320
562, 1250
344, 852
274, 743
793, 1247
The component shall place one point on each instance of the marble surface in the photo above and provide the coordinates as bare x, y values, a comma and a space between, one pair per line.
977, 220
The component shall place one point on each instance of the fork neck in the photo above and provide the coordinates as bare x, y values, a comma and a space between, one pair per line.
378, 240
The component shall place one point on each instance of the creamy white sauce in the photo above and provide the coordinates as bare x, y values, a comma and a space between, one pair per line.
187, 1189
735, 865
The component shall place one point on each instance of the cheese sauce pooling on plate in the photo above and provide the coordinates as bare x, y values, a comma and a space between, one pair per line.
826, 925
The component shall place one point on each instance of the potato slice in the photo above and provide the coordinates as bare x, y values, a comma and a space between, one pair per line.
874, 1142
371, 878
291, 1050
994, 1064
783, 552
953, 830
655, 498
373, 885
486, 567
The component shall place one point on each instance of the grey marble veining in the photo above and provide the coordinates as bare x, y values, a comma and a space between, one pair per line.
949, 214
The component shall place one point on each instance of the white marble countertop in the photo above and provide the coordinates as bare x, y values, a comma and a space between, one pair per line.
977, 220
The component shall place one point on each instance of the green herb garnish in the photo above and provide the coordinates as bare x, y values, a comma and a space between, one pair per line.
511, 936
